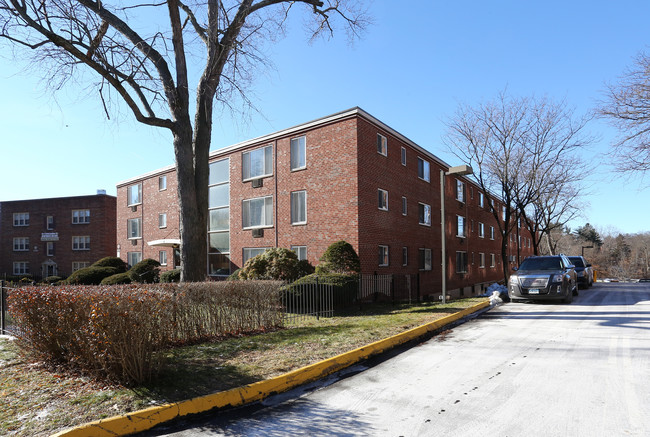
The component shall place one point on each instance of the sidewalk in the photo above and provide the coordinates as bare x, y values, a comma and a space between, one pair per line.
143, 420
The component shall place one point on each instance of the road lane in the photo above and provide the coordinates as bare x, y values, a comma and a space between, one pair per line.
519, 370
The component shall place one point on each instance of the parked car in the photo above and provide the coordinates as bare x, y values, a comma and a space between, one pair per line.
583, 270
551, 277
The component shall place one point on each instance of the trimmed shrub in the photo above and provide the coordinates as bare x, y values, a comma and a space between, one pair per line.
91, 275
111, 261
120, 278
339, 257
274, 264
171, 276
146, 271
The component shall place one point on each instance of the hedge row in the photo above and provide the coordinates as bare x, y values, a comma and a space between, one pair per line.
118, 332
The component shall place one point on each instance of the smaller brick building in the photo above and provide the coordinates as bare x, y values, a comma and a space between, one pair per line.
55, 237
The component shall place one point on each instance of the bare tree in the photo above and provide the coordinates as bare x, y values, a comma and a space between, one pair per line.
627, 107
522, 150
145, 54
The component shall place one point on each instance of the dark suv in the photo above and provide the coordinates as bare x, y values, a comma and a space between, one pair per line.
550, 277
583, 270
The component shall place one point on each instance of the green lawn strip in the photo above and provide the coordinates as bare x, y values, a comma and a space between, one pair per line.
36, 400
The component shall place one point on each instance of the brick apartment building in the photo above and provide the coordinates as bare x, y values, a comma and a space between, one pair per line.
54, 237
348, 177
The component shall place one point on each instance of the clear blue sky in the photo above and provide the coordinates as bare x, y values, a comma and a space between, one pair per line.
411, 69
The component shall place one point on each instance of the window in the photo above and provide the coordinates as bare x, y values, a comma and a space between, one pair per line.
133, 258
383, 256
49, 222
461, 262
77, 265
492, 260
491, 232
162, 184
404, 205
460, 226
404, 156
491, 204
405, 256
219, 218
251, 252
460, 191
481, 260
424, 259
162, 257
257, 213
481, 230
162, 220
81, 243
21, 219
49, 248
424, 169
301, 252
134, 195
503, 212
382, 145
80, 216
298, 153
21, 268
481, 200
383, 199
134, 228
21, 244
424, 214
257, 163
298, 207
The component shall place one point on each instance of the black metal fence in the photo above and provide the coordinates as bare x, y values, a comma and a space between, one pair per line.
320, 299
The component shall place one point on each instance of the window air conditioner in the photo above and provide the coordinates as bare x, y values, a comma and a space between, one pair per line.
257, 183
134, 208
257, 233
134, 242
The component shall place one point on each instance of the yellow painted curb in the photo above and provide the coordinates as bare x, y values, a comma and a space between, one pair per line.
143, 420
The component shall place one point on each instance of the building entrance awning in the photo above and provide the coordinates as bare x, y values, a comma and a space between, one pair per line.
167, 242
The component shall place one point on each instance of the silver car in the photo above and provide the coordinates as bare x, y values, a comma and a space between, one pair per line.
551, 277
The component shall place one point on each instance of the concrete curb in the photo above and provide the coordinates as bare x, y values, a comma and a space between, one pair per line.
143, 420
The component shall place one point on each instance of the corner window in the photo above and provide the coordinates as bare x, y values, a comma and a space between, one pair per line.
134, 228
382, 199
424, 169
404, 156
162, 184
383, 256
81, 243
21, 219
382, 145
298, 153
257, 163
460, 191
461, 262
424, 259
460, 226
298, 207
134, 195
257, 213
80, 216
424, 213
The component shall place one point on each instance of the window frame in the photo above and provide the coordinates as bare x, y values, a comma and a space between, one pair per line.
481, 199
463, 257
162, 220
481, 260
265, 223
246, 172
80, 242
492, 260
80, 216
162, 257
129, 228
21, 244
162, 182
404, 206
298, 250
130, 255
460, 190
481, 230
23, 268
425, 165
422, 219
405, 256
382, 144
302, 147
21, 219
250, 249
382, 199
403, 155
303, 204
129, 195
491, 232
461, 219
422, 259
383, 256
